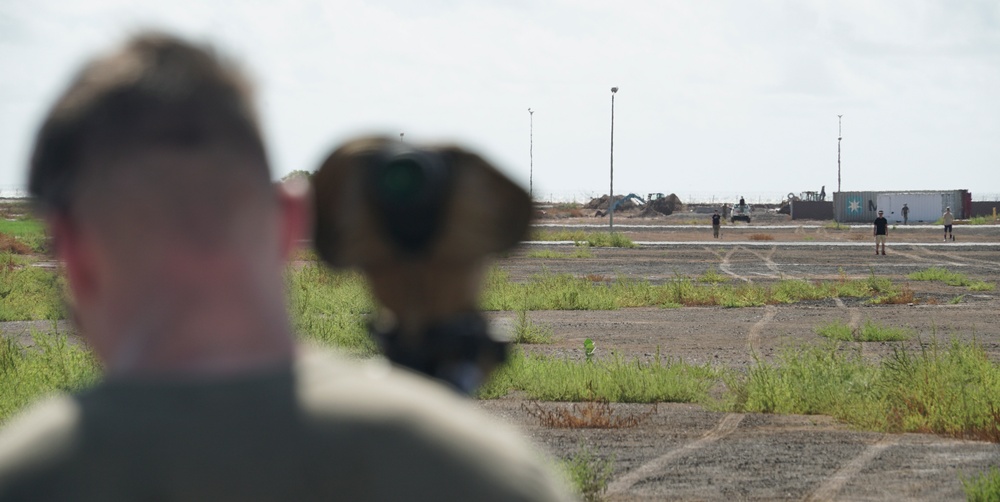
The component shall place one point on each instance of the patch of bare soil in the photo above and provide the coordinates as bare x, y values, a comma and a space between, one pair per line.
685, 452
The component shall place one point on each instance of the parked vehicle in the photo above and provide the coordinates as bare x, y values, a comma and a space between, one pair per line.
741, 213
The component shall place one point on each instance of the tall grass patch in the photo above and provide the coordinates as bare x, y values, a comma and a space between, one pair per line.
52, 365
29, 293
566, 292
870, 331
587, 473
331, 307
581, 238
982, 487
556, 255
26, 231
950, 278
614, 379
944, 389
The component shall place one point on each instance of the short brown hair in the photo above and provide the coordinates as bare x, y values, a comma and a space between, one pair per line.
156, 92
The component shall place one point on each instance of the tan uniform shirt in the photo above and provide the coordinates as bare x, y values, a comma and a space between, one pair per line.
327, 429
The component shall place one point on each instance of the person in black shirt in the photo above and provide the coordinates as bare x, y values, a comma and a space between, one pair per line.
881, 231
716, 223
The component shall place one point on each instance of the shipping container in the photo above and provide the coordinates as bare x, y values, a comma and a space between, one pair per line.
925, 206
855, 207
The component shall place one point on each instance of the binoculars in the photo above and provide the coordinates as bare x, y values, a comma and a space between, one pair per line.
421, 224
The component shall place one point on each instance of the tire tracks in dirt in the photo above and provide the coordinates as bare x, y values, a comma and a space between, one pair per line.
854, 311
725, 266
769, 262
753, 336
725, 427
961, 261
832, 486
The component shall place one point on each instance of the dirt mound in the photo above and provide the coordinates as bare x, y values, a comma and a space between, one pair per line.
598, 203
666, 205
648, 212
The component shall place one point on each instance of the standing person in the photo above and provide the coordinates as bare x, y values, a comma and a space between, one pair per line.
906, 214
743, 203
881, 231
948, 220
154, 182
716, 224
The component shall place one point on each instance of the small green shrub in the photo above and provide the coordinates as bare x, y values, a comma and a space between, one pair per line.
550, 254
592, 239
712, 276
940, 274
331, 307
29, 293
612, 379
981, 220
588, 474
982, 487
981, 286
868, 332
51, 366
527, 331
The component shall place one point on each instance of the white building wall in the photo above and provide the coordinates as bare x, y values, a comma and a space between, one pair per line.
924, 207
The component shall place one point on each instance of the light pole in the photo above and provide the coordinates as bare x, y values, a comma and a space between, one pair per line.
611, 193
840, 136
531, 153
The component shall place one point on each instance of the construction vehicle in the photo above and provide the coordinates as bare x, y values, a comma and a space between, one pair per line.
619, 202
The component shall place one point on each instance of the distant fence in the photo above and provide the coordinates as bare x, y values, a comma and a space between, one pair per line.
812, 210
984, 208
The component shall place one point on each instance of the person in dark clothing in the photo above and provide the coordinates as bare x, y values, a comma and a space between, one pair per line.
743, 203
881, 231
906, 214
716, 224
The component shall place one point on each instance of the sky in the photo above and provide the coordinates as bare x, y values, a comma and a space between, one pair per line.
716, 99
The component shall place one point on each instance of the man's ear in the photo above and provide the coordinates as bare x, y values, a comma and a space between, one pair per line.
75, 255
294, 199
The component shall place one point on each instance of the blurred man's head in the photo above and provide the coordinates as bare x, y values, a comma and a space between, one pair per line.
156, 138
152, 174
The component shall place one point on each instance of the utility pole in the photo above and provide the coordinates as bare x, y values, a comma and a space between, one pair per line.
531, 153
840, 136
611, 193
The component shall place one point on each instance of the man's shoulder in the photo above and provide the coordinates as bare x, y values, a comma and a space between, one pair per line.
424, 432
37, 437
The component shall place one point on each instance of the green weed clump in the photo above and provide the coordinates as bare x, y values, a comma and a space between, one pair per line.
981, 286
566, 292
950, 390
27, 231
868, 332
614, 380
982, 487
950, 278
29, 293
52, 365
587, 473
940, 274
331, 307
581, 238
550, 254
527, 331
712, 276
981, 220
